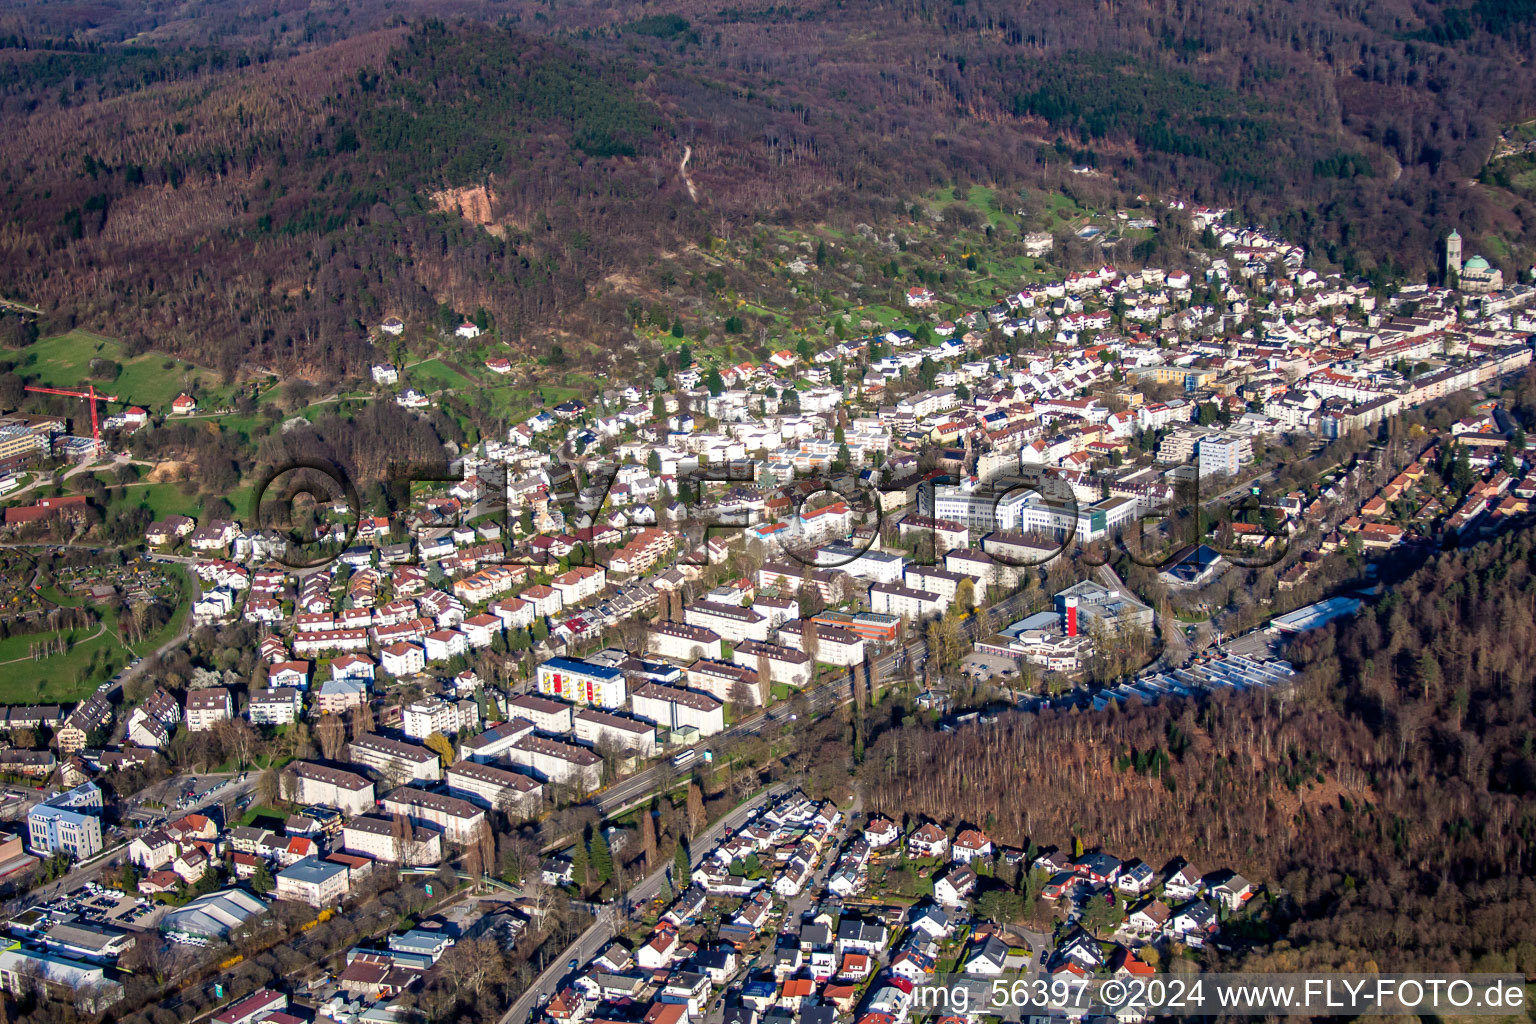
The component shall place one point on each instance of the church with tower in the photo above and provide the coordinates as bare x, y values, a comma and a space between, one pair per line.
1476, 275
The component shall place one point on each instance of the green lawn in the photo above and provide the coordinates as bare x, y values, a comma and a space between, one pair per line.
90, 661
150, 380
268, 817
986, 203
167, 499
517, 402
161, 499
433, 375
59, 678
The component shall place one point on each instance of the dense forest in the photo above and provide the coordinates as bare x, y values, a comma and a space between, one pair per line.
1389, 803
247, 187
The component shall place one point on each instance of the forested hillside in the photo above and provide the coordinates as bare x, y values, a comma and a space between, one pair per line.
256, 186
1392, 799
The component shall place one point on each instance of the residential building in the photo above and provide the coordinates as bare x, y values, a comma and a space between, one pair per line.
512, 793
54, 830
549, 716
458, 820
395, 760
675, 708
319, 784
277, 706
1224, 454
207, 707
431, 715
494, 743
88, 719
553, 761
682, 642
320, 883
582, 682
603, 730
732, 624
384, 840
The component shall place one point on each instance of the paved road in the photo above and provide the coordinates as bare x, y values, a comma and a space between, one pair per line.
819, 698
92, 869
597, 935
1259, 642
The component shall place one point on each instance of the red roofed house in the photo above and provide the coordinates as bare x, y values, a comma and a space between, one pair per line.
971, 844
253, 1008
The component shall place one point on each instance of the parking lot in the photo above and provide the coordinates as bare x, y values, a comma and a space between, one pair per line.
987, 667
93, 903
180, 795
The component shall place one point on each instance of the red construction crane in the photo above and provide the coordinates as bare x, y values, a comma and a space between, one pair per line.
91, 395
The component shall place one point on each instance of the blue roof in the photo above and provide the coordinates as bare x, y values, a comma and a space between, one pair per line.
313, 871
585, 667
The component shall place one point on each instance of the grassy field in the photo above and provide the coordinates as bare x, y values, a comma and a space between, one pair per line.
59, 678
94, 655
150, 380
161, 499
986, 202
517, 402
434, 375
267, 817
167, 499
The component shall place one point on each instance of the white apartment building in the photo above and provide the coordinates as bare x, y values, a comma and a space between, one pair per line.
579, 584
833, 646
63, 830
895, 599
402, 659
434, 714
510, 792
320, 883
731, 624
549, 716
785, 664
553, 761
936, 581
682, 642
875, 566
319, 784
445, 644
986, 570
370, 836
458, 819
676, 708
726, 681
395, 759
595, 728
276, 706
208, 707
491, 745
1224, 454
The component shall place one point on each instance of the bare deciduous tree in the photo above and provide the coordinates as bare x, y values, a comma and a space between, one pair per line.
332, 735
